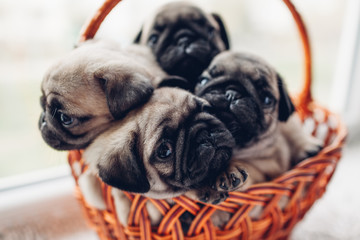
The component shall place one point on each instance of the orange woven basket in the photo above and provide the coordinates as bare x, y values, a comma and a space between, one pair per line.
302, 185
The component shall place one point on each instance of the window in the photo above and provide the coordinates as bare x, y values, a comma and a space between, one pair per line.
33, 35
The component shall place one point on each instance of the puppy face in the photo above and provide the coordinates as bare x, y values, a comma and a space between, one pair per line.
87, 90
184, 39
247, 94
166, 147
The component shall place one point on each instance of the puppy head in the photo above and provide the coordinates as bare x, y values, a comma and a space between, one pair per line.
184, 39
87, 90
247, 94
168, 146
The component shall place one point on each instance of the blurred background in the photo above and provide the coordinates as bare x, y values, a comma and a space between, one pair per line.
35, 33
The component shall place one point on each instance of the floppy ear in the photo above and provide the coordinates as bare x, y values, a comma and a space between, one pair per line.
286, 107
138, 37
124, 169
223, 32
124, 90
175, 81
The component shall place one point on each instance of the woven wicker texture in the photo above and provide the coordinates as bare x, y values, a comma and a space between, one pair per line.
301, 186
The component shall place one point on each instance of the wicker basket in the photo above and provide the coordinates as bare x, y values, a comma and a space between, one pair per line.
302, 185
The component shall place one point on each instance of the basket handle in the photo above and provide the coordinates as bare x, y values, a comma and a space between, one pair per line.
90, 28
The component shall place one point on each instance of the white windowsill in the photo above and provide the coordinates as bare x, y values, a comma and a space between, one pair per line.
42, 205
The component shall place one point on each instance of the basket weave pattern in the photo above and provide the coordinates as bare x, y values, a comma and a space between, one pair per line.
301, 186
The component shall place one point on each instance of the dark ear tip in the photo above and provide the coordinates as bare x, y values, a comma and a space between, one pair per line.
223, 31
286, 106
284, 117
135, 185
175, 81
143, 188
138, 37
122, 98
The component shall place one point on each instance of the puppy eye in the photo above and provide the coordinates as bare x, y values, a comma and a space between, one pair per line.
203, 81
67, 121
153, 39
165, 150
211, 32
268, 101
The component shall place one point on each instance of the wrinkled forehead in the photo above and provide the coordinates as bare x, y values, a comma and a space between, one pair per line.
176, 100
243, 65
177, 12
173, 106
65, 79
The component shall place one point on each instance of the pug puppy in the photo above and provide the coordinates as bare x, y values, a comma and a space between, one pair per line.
184, 39
166, 147
91, 87
251, 99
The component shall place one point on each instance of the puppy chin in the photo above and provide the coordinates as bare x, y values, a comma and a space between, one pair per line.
242, 118
243, 133
54, 142
53, 139
188, 67
187, 61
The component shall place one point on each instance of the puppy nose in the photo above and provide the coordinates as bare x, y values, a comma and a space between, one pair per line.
42, 117
42, 121
232, 95
183, 41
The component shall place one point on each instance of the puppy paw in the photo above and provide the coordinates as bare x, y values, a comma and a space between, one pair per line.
314, 151
310, 148
231, 179
212, 196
